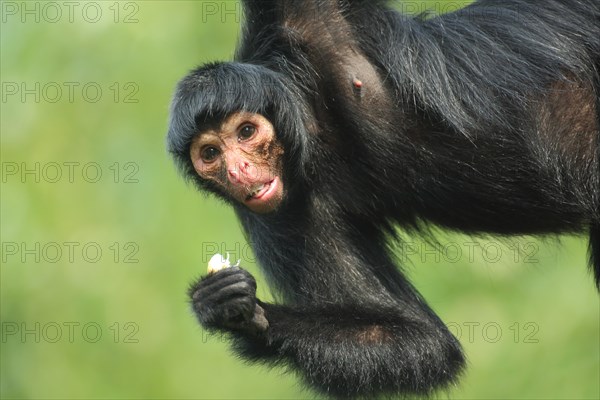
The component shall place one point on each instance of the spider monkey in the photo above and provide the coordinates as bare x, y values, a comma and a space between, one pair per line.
339, 120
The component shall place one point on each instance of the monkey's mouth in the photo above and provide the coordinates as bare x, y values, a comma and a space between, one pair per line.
263, 191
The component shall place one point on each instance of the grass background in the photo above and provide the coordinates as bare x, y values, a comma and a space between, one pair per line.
94, 326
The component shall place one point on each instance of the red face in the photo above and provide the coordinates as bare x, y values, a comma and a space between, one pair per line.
244, 157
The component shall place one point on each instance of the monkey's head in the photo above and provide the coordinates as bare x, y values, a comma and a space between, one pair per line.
238, 131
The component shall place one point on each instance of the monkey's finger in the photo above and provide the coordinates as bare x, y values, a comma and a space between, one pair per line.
227, 293
241, 308
216, 276
218, 280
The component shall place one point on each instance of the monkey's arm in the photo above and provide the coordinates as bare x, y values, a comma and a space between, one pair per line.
342, 350
358, 351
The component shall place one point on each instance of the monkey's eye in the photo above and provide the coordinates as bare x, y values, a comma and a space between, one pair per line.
246, 132
209, 154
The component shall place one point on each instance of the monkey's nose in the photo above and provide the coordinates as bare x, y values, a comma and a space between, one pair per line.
234, 176
244, 166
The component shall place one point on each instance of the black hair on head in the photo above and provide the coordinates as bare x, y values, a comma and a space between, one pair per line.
209, 94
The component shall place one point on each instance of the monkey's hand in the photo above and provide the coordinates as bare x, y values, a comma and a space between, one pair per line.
226, 300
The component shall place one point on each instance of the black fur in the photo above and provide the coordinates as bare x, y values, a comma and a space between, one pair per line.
482, 120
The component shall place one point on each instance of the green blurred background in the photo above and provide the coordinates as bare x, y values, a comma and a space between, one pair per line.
100, 237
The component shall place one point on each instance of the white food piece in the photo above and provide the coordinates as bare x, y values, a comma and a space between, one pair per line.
218, 262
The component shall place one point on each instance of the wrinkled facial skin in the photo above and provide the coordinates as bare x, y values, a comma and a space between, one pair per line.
243, 157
